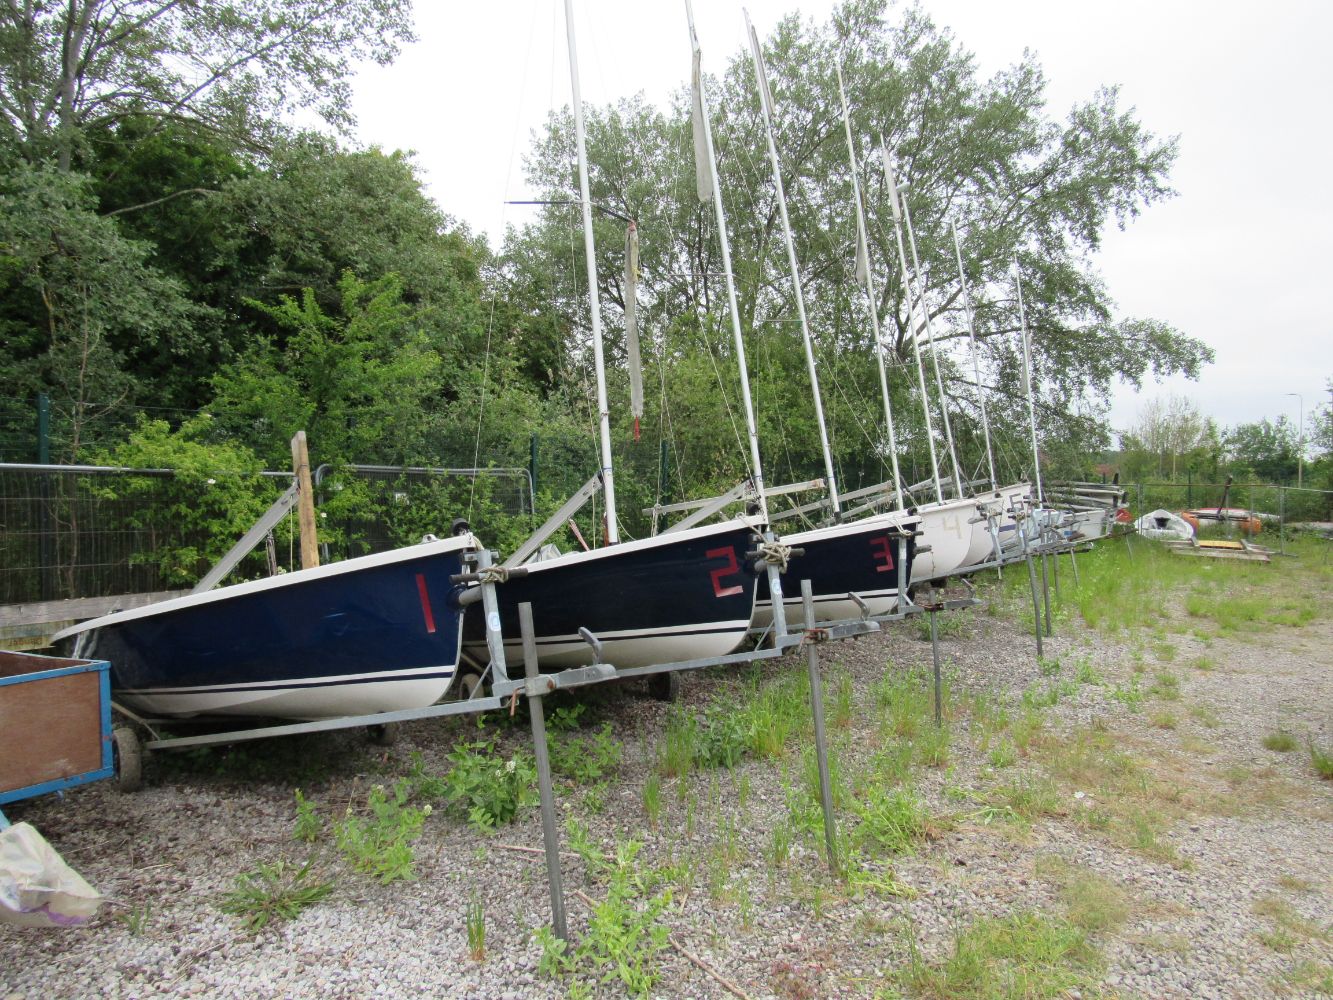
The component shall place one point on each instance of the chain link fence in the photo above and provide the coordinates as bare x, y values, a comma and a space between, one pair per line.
1288, 504
91, 531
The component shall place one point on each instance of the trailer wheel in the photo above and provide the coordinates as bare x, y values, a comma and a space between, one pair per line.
385, 734
127, 758
468, 684
665, 687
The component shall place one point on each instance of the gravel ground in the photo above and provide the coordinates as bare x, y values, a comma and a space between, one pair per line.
1232, 897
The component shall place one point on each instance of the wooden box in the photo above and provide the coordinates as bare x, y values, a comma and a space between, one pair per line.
55, 723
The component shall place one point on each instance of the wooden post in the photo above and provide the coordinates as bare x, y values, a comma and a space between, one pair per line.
305, 503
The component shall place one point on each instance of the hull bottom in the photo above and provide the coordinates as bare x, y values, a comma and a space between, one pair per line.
302, 700
623, 649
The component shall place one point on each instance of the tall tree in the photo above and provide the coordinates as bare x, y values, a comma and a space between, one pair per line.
983, 152
227, 68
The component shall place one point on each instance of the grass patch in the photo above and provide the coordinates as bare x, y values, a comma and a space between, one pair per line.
1024, 955
1317, 977
1166, 686
1279, 741
1091, 902
1163, 720
1321, 760
890, 822
1205, 716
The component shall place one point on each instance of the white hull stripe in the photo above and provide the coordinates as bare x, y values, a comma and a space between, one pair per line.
386, 676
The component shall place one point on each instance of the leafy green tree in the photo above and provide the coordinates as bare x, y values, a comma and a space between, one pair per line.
1265, 448
75, 291
213, 498
1169, 438
983, 152
226, 68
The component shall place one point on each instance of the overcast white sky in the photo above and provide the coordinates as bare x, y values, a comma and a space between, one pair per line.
1241, 258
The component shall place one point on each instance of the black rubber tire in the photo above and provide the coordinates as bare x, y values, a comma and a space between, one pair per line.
127, 758
385, 734
665, 687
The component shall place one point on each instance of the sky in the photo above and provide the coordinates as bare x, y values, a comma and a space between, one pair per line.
1240, 258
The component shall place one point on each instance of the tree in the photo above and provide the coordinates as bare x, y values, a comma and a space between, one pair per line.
74, 292
982, 152
225, 68
1169, 437
1264, 449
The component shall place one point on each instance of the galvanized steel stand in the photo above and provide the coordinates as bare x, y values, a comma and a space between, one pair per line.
538, 715
814, 636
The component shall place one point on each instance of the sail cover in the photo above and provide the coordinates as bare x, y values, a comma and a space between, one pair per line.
703, 168
632, 325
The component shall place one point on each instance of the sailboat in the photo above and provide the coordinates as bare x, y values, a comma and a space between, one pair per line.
948, 527
997, 503
677, 596
377, 633
853, 567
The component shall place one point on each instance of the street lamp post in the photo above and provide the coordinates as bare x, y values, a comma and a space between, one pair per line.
1300, 440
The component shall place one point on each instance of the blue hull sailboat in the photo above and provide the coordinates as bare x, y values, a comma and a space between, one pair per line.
377, 633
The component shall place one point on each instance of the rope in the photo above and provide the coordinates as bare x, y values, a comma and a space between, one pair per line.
493, 574
775, 554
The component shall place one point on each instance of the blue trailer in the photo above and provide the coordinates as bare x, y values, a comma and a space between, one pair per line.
55, 726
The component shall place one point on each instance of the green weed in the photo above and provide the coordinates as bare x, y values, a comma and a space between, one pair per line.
279, 891
309, 824
487, 790
381, 844
474, 918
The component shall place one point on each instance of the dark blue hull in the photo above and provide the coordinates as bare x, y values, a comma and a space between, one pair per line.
658, 600
373, 634
859, 558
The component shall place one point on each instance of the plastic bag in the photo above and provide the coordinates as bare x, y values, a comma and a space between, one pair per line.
37, 888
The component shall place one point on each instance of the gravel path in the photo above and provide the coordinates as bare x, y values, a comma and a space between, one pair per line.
1221, 884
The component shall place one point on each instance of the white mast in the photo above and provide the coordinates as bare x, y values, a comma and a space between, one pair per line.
705, 126
863, 261
976, 367
916, 346
934, 351
765, 102
1027, 382
590, 254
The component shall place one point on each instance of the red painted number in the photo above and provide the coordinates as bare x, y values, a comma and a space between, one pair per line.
425, 602
730, 569
882, 554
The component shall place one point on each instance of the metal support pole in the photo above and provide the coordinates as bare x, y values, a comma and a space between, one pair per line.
1055, 573
1073, 561
1032, 585
935, 656
532, 462
535, 711
817, 708
779, 626
1282, 519
44, 430
1046, 593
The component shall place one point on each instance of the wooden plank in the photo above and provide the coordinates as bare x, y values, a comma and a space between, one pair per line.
78, 609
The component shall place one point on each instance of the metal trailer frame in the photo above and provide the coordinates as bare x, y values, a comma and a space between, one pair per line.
107, 769
503, 686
